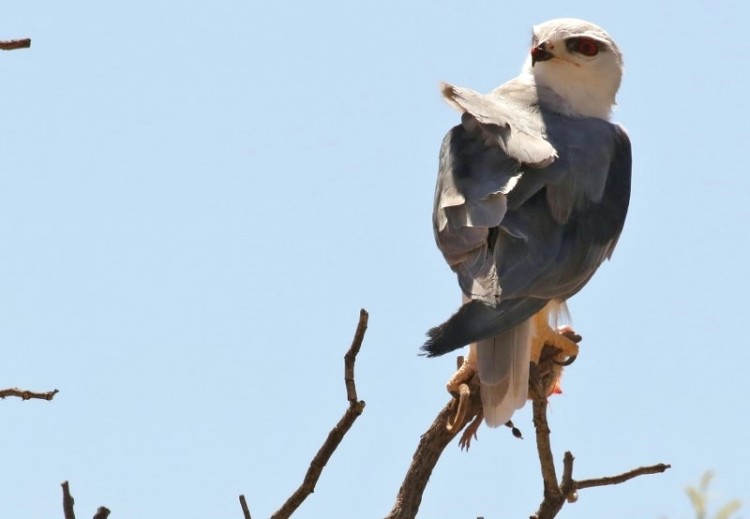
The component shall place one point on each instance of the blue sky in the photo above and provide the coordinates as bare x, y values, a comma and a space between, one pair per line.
196, 200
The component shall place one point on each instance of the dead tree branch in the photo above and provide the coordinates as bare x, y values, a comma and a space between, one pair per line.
465, 409
621, 478
456, 414
449, 422
544, 447
245, 509
24, 43
101, 513
356, 407
24, 394
68, 502
555, 495
430, 448
462, 411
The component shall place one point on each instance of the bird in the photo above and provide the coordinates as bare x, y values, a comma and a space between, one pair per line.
532, 193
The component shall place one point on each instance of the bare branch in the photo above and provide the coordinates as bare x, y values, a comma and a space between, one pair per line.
553, 497
24, 394
430, 448
68, 502
351, 356
356, 407
622, 478
567, 485
24, 43
556, 495
102, 513
544, 448
245, 509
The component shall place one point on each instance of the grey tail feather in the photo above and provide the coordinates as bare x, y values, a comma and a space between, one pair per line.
475, 321
459, 330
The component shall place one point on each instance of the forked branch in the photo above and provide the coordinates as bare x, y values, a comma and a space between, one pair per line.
556, 495
356, 407
101, 513
449, 423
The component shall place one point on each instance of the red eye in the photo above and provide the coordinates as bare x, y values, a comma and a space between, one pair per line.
587, 47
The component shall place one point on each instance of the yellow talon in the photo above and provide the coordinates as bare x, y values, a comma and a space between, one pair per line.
464, 373
558, 339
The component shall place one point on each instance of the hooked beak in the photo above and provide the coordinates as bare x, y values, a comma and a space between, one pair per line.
540, 53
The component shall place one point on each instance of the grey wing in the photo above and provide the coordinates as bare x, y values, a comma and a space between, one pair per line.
470, 204
480, 164
519, 236
497, 120
554, 240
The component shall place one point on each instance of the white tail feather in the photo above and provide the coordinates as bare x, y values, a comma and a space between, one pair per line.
557, 313
503, 366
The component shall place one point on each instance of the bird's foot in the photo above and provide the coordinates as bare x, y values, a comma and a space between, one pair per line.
567, 342
462, 375
470, 432
564, 340
458, 386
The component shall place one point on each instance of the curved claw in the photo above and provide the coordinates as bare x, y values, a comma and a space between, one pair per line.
471, 432
567, 362
463, 403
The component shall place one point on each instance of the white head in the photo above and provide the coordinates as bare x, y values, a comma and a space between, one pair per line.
578, 61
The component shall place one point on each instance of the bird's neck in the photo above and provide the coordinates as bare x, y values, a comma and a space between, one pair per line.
569, 96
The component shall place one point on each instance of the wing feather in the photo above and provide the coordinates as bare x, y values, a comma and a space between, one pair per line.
521, 229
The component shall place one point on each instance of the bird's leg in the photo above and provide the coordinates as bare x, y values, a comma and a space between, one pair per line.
562, 339
464, 373
551, 350
458, 386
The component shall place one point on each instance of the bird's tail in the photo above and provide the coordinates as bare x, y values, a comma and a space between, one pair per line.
476, 321
503, 365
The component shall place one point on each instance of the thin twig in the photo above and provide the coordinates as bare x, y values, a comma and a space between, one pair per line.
351, 356
356, 407
24, 43
68, 502
567, 485
24, 394
245, 509
621, 478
